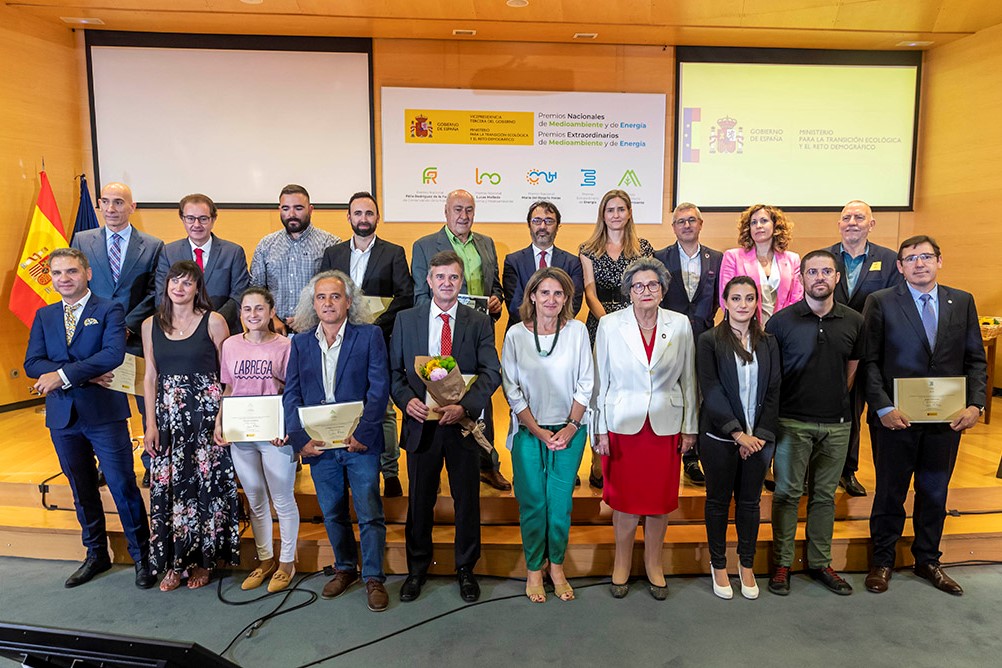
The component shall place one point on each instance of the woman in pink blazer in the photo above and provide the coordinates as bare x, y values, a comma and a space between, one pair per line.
764, 233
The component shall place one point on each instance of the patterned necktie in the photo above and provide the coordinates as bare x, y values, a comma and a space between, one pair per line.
542, 260
446, 335
115, 256
198, 258
70, 320
929, 319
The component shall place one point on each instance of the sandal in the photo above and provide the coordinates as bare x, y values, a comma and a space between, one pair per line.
536, 593
171, 581
198, 577
563, 591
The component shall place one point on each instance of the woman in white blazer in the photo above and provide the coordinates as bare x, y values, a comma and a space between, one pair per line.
644, 417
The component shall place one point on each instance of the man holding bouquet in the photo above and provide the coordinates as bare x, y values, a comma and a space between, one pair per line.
431, 436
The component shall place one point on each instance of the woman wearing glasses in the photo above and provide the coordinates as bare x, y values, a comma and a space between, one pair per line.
645, 417
764, 232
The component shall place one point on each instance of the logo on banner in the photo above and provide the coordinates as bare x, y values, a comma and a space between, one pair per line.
534, 175
429, 175
589, 177
494, 178
421, 127
724, 138
630, 179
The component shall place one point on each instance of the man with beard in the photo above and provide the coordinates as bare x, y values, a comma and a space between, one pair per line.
820, 344
379, 268
544, 222
286, 260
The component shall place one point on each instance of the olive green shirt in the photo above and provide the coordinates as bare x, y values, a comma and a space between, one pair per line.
472, 266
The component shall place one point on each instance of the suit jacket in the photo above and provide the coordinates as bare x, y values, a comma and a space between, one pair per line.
721, 412
361, 375
741, 262
426, 247
386, 275
521, 265
226, 275
879, 271
702, 308
136, 281
472, 347
895, 344
630, 389
98, 346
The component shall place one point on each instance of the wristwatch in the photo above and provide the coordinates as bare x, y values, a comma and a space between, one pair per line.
576, 423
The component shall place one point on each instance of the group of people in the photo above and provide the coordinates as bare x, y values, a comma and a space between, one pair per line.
649, 380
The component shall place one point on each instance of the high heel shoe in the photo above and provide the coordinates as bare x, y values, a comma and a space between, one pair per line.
726, 592
751, 593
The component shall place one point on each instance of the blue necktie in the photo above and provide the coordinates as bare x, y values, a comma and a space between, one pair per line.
115, 256
929, 319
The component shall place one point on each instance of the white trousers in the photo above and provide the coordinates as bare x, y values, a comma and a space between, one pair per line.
264, 471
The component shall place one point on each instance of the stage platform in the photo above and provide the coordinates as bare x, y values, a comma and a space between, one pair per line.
27, 529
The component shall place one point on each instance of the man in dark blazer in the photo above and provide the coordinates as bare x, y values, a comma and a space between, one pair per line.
72, 342
864, 268
692, 291
335, 359
223, 263
442, 326
480, 278
380, 269
918, 329
544, 223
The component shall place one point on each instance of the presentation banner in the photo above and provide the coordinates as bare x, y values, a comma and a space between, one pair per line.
512, 148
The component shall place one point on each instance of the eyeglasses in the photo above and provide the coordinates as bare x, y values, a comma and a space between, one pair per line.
691, 220
827, 272
639, 288
544, 221
191, 220
925, 257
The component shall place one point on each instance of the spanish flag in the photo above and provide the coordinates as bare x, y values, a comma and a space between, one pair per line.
33, 285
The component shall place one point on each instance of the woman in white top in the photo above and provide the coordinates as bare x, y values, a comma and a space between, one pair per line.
547, 374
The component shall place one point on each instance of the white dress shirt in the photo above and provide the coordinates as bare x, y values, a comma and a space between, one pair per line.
359, 261
537, 251
205, 251
329, 355
691, 268
435, 327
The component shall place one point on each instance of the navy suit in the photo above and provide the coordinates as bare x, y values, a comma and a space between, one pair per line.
88, 419
521, 265
895, 346
702, 308
361, 375
226, 275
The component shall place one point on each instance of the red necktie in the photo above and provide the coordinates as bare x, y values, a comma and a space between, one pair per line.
198, 258
542, 259
446, 335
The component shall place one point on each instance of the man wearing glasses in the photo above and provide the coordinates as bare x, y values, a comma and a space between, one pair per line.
223, 263
820, 344
695, 273
544, 222
917, 330
864, 268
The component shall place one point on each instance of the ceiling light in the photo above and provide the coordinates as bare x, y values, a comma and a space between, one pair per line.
517, 3
80, 21
463, 33
914, 44
585, 35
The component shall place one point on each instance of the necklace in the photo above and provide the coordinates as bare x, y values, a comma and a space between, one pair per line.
535, 336
180, 330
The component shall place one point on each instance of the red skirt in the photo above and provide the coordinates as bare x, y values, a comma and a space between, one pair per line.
642, 472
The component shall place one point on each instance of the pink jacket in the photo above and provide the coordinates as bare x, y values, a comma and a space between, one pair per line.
741, 262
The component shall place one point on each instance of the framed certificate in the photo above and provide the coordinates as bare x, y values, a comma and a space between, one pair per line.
331, 423
474, 301
128, 378
253, 418
930, 399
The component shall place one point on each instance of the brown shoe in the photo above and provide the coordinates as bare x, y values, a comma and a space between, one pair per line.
877, 579
376, 593
935, 574
342, 580
495, 480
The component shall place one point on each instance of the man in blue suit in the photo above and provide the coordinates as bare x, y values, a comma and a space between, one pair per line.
223, 263
544, 223
336, 360
72, 342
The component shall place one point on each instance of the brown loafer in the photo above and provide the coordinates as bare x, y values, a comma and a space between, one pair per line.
877, 579
935, 574
337, 586
495, 480
378, 599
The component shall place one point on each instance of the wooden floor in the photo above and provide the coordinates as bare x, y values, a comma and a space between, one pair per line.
27, 529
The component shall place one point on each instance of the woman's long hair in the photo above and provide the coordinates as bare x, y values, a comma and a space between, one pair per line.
595, 245
725, 337
782, 227
182, 269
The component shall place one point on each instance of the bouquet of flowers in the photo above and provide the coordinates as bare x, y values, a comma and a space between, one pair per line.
445, 384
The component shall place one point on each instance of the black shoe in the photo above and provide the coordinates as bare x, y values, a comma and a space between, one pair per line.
694, 475
595, 481
101, 481
577, 481
779, 583
469, 590
411, 588
146, 479
831, 579
851, 485
392, 488
144, 579
769, 484
88, 569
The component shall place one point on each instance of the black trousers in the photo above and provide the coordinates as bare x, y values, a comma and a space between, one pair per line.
927, 452
856, 404
424, 470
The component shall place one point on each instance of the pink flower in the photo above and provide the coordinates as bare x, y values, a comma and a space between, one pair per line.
438, 374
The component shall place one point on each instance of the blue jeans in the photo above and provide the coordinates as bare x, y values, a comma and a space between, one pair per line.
333, 473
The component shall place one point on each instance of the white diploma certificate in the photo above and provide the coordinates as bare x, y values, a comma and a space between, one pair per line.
474, 301
253, 418
331, 423
468, 378
930, 399
371, 308
128, 378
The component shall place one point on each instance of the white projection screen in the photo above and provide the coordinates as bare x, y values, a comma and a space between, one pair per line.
234, 117
804, 130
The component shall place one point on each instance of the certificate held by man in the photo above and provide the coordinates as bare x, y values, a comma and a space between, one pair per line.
249, 419
930, 399
331, 423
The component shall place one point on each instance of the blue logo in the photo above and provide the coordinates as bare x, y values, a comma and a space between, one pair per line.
589, 177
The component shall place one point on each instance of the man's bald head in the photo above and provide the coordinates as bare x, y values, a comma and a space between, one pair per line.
116, 206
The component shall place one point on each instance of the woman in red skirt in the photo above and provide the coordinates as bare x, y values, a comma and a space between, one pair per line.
644, 417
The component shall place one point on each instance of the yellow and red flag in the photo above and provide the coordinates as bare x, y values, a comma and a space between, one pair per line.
33, 285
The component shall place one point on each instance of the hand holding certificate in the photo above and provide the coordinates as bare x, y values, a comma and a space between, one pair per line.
930, 399
246, 419
332, 424
128, 378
